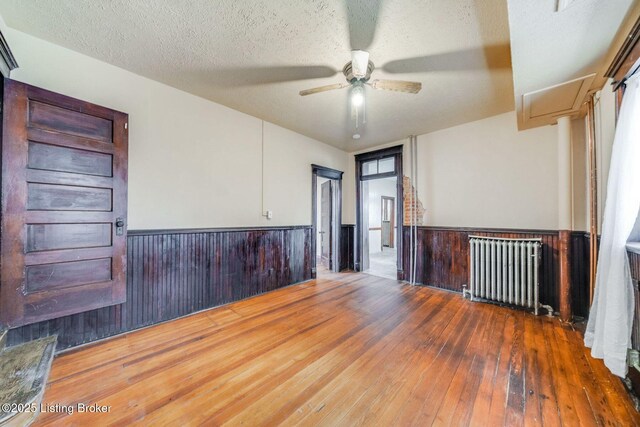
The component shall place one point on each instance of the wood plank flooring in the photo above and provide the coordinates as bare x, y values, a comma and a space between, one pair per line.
346, 349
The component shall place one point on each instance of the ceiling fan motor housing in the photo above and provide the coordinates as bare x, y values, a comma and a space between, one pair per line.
348, 72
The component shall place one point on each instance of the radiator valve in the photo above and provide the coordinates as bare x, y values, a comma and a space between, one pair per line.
466, 292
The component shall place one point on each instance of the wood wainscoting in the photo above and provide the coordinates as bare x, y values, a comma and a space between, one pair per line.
173, 273
347, 239
443, 261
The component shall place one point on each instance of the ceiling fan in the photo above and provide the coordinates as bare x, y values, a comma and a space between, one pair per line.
362, 17
358, 72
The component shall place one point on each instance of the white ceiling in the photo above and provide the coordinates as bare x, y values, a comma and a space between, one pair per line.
231, 51
558, 57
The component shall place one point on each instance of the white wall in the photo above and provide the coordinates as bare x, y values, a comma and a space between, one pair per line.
377, 189
486, 174
192, 163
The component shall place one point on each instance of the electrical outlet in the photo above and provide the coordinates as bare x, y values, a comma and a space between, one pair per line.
269, 214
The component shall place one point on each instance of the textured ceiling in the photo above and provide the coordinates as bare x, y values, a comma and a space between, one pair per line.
234, 52
551, 48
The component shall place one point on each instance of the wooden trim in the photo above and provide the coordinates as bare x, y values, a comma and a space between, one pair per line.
8, 61
326, 172
593, 195
397, 152
564, 248
378, 176
627, 55
213, 230
379, 154
490, 230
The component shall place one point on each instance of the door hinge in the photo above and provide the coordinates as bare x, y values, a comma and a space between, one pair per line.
126, 125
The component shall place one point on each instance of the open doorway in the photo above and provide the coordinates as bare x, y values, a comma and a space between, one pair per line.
379, 251
379, 213
326, 219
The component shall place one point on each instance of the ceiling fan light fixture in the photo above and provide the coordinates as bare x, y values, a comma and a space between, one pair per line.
359, 63
357, 96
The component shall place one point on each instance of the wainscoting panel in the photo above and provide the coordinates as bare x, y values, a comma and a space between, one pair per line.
174, 273
347, 238
443, 261
580, 262
443, 255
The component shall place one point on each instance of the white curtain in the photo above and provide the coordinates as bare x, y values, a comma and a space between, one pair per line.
608, 331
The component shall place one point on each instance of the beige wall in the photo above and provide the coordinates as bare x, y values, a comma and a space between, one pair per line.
192, 163
488, 174
580, 168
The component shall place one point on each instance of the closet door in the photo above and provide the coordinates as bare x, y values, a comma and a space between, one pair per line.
64, 206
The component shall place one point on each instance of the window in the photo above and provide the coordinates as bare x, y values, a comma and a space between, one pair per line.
386, 165
375, 167
370, 168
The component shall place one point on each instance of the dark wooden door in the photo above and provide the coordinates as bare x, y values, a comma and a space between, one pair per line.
325, 223
64, 205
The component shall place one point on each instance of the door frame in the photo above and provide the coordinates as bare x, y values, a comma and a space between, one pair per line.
396, 153
336, 216
392, 239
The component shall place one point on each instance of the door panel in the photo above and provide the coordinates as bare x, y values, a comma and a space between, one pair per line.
46, 237
62, 159
67, 274
52, 197
63, 120
325, 223
61, 252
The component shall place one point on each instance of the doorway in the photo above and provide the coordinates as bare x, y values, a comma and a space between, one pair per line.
379, 250
379, 213
326, 219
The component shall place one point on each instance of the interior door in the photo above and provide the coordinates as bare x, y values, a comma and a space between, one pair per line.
387, 221
325, 223
64, 206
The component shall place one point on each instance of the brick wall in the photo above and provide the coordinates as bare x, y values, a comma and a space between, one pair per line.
411, 205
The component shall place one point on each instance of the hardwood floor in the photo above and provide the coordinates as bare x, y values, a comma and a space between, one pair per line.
346, 349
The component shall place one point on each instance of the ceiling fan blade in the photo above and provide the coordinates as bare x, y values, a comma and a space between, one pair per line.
396, 85
363, 19
493, 57
323, 88
265, 75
